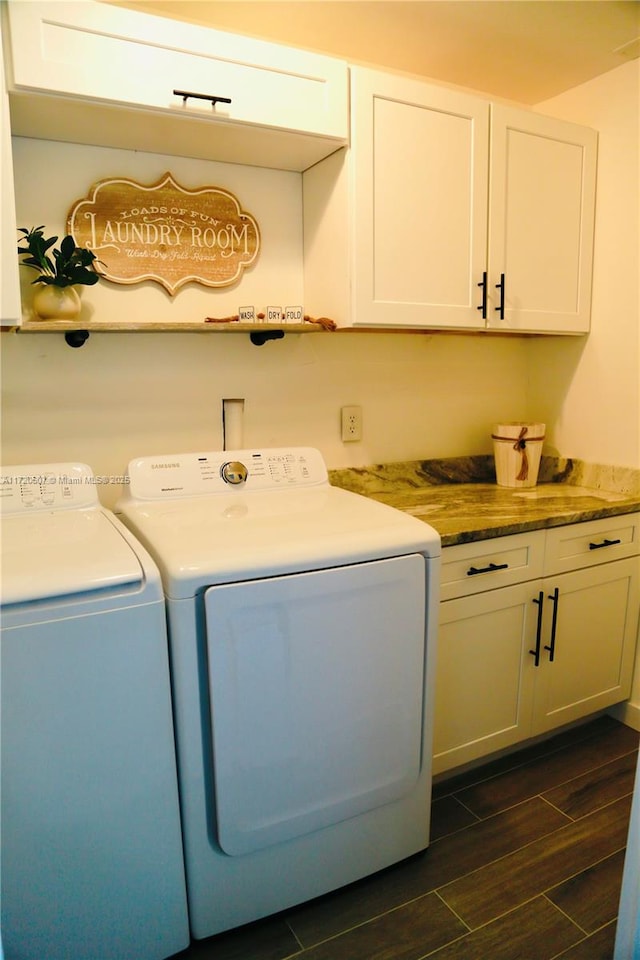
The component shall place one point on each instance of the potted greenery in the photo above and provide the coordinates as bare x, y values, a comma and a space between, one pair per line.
60, 271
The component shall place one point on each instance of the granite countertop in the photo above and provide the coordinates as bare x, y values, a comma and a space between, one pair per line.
459, 496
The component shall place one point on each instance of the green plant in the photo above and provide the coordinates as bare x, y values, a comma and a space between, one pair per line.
63, 267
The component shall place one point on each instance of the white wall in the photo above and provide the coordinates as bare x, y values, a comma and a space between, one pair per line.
126, 395
51, 177
589, 391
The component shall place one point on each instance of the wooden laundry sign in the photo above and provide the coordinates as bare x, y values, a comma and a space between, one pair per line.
166, 233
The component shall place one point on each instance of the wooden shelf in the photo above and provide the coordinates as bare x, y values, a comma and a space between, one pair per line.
102, 326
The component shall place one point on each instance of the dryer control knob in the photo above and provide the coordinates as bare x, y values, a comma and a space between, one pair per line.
233, 472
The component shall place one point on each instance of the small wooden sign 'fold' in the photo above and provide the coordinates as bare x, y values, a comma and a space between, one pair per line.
166, 233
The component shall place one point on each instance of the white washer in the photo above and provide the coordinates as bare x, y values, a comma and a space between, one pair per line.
92, 863
302, 623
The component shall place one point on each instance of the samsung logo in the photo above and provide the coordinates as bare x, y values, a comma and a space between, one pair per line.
163, 466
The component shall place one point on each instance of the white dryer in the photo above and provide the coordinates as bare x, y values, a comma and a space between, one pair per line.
92, 864
302, 626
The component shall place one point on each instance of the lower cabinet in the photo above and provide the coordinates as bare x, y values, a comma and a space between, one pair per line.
526, 644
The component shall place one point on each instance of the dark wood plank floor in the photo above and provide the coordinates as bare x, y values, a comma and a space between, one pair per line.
525, 862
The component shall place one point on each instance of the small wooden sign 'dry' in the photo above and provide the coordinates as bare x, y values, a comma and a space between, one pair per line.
166, 233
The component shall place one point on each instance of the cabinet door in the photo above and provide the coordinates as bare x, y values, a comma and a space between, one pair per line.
419, 162
485, 674
94, 55
595, 635
541, 222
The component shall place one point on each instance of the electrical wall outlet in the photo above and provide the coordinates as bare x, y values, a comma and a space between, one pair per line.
351, 419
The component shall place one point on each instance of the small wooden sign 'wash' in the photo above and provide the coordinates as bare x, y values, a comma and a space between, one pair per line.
166, 233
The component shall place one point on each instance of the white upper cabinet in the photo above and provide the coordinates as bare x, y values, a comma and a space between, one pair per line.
541, 222
419, 167
287, 108
405, 208
10, 310
442, 203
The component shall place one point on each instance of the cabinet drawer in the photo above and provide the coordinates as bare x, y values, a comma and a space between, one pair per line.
587, 544
475, 567
93, 52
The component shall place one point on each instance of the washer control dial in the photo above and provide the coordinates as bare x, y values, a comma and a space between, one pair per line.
234, 472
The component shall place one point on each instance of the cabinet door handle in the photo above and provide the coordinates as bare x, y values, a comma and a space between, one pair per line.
605, 543
483, 305
536, 653
551, 647
500, 287
473, 571
185, 94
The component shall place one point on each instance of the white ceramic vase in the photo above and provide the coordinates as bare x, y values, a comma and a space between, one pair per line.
56, 303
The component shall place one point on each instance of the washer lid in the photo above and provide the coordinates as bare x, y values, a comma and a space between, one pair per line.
49, 554
203, 540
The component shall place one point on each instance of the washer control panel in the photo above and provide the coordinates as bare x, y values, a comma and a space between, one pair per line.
47, 486
217, 472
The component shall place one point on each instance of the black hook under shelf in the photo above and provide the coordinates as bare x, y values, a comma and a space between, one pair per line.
260, 337
76, 338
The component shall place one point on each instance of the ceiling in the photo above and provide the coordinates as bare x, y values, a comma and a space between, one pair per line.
522, 50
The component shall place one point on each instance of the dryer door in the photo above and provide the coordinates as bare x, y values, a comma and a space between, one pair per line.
316, 684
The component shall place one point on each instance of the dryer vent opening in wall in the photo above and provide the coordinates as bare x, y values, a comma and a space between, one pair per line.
232, 423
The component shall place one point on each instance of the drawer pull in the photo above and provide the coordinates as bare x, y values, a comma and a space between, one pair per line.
185, 94
536, 653
472, 571
605, 543
551, 647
